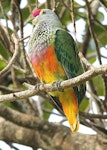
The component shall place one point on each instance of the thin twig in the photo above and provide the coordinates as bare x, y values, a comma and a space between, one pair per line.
84, 60
100, 24
7, 89
22, 39
13, 57
105, 83
92, 32
95, 116
73, 17
51, 112
37, 4
21, 31
103, 4
94, 127
67, 7
7, 28
86, 42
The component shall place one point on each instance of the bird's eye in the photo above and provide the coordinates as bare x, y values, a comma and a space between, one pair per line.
44, 12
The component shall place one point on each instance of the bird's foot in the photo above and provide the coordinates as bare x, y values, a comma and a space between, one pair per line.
38, 85
57, 84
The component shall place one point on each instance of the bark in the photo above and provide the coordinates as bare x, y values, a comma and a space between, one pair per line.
54, 137
29, 130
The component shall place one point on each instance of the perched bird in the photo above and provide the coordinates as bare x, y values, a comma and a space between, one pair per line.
54, 56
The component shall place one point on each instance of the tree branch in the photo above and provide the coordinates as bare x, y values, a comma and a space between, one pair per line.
24, 120
21, 118
36, 138
49, 137
101, 69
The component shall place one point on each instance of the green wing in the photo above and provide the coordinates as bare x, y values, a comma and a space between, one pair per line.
67, 54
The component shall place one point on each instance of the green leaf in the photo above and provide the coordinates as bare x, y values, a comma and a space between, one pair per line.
25, 13
32, 1
3, 52
91, 54
47, 106
100, 16
99, 86
6, 7
101, 34
66, 18
84, 104
2, 64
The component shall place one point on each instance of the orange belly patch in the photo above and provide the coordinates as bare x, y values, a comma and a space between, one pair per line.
47, 67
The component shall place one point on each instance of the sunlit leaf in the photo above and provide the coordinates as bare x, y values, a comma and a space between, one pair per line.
2, 64
100, 16
84, 104
101, 34
49, 107
99, 85
6, 6
3, 52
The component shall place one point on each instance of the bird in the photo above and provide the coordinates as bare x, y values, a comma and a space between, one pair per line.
54, 57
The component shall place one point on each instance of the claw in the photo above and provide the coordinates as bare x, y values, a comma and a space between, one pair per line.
57, 84
37, 86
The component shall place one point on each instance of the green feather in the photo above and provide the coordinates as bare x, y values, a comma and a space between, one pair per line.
67, 55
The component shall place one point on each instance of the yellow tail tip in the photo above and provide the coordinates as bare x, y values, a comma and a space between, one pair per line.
75, 126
